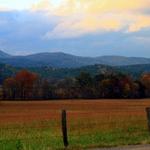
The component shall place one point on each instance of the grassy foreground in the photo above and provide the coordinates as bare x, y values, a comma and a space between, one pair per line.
82, 135
110, 124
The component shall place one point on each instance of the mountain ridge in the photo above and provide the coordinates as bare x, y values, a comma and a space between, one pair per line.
64, 60
4, 55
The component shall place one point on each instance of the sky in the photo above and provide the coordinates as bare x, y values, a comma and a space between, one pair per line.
79, 27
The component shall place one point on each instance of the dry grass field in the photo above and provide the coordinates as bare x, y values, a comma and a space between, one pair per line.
91, 123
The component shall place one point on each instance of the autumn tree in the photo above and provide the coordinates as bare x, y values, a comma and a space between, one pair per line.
66, 89
26, 83
46, 90
145, 80
1, 92
10, 88
20, 86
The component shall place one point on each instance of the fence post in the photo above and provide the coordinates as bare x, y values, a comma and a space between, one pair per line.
64, 128
148, 117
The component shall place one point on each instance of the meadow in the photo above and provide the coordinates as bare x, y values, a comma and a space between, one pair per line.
36, 125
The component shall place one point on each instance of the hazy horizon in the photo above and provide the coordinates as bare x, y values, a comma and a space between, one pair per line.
78, 27
42, 52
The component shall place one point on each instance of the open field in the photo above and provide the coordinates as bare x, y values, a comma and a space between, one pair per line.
91, 123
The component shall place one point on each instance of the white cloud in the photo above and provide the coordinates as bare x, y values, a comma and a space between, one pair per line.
79, 17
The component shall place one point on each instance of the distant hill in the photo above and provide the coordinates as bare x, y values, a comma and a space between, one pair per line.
135, 70
123, 61
60, 73
62, 60
54, 73
4, 55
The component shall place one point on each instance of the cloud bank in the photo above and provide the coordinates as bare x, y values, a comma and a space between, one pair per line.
79, 17
82, 27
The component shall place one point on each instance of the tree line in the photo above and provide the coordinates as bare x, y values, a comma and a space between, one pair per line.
26, 85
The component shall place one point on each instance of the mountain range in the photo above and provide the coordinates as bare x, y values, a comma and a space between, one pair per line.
63, 60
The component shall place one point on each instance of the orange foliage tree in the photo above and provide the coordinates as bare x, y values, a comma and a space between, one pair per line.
145, 79
25, 82
22, 85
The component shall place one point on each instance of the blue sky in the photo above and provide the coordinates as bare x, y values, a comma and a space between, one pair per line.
80, 27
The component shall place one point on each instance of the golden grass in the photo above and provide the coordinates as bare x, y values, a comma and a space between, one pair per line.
85, 113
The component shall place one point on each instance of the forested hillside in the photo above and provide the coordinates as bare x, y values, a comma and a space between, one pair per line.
135, 70
60, 73
7, 71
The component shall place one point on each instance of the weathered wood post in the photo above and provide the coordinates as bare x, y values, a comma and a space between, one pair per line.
148, 117
64, 128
